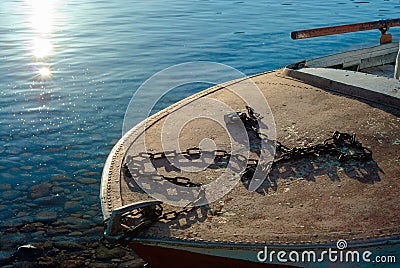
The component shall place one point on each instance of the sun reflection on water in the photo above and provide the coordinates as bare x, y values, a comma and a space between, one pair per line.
42, 48
42, 17
45, 72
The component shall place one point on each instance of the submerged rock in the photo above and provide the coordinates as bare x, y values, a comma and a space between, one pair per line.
31, 227
38, 235
72, 206
88, 180
57, 231
46, 261
11, 195
60, 177
40, 190
53, 200
57, 189
6, 257
104, 253
46, 216
12, 241
69, 245
5, 186
95, 231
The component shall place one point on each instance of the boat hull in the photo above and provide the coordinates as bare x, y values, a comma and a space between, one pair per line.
157, 256
216, 254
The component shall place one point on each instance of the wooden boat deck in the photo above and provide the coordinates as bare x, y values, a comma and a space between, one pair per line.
307, 201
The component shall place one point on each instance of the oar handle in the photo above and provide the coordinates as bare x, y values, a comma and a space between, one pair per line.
383, 25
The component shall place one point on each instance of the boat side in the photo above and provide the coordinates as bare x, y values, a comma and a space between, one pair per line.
162, 253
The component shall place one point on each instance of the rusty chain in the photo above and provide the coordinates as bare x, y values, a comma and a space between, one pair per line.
342, 145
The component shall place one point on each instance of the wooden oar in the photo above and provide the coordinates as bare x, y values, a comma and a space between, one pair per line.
382, 25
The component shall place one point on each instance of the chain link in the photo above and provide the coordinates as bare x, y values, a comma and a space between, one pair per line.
342, 145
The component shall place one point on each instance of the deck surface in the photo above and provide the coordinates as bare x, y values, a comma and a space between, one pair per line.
305, 201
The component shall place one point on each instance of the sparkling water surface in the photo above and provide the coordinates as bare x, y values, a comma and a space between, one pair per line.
68, 69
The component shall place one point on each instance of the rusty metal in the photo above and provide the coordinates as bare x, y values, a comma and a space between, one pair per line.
143, 212
127, 222
386, 38
342, 145
382, 25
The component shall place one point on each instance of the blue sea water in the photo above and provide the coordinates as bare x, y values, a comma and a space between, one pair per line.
68, 69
